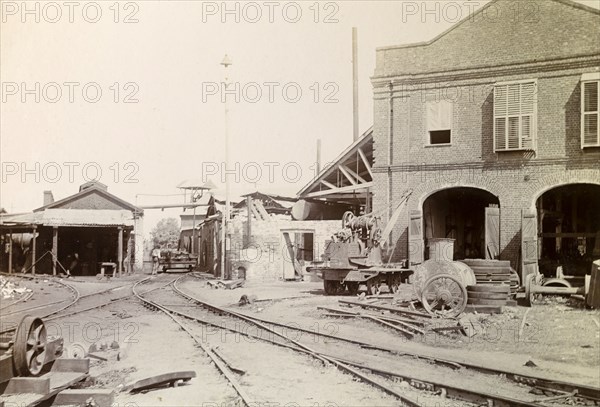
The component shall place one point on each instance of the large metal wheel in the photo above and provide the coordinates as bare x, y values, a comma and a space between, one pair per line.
29, 349
347, 218
444, 295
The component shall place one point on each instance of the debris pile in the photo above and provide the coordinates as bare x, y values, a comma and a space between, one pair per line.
11, 290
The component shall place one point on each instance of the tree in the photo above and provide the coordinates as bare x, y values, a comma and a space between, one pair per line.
165, 234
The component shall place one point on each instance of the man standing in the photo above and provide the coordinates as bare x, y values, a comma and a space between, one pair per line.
155, 258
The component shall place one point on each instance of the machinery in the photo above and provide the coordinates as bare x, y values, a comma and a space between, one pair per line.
354, 261
34, 370
354, 257
26, 353
177, 261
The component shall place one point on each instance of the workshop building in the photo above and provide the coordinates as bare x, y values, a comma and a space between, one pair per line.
88, 232
493, 126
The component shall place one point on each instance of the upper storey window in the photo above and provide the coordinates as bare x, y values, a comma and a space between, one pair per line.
590, 134
515, 116
439, 122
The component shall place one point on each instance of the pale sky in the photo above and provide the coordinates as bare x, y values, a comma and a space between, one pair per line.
168, 57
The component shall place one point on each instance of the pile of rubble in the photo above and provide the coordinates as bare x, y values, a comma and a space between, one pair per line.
10, 290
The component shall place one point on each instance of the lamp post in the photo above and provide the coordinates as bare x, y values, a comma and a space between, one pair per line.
226, 63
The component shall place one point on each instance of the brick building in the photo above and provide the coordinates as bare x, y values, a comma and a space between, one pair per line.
494, 127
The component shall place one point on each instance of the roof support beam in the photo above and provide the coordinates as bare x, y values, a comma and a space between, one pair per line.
358, 177
328, 184
349, 189
365, 161
347, 174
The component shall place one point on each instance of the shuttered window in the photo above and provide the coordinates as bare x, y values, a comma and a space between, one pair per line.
590, 134
515, 106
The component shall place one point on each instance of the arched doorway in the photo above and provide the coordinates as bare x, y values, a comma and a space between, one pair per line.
568, 219
469, 216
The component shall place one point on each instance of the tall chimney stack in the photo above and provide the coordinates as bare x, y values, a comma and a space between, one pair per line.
355, 80
318, 156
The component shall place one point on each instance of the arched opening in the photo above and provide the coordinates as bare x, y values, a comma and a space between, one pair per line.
469, 217
568, 230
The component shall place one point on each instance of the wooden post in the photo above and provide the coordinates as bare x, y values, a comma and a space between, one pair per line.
33, 244
10, 251
249, 222
54, 249
120, 252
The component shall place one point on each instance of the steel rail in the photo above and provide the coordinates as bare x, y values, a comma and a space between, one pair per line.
583, 391
216, 360
450, 391
52, 315
298, 347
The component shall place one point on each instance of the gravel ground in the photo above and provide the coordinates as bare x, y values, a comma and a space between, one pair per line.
558, 336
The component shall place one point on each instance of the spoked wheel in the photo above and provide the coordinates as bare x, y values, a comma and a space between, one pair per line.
352, 287
347, 218
445, 296
29, 349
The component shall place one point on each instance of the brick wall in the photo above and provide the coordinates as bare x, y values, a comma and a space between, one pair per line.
264, 257
516, 178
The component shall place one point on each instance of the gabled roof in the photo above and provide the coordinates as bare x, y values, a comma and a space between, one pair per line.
349, 176
91, 190
497, 34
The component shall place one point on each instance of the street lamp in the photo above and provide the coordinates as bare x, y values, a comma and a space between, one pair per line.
226, 62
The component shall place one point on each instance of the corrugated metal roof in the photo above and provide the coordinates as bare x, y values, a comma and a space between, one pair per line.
72, 217
87, 217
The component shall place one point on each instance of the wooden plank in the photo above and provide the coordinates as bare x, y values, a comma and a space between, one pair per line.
529, 243
71, 365
593, 297
159, 380
365, 161
492, 232
347, 174
489, 288
416, 243
292, 253
479, 301
488, 296
81, 397
24, 385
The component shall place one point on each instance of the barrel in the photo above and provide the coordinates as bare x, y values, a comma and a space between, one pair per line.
430, 268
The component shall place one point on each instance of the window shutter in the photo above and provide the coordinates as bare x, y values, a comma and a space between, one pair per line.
500, 133
514, 100
514, 116
591, 136
500, 105
590, 130
513, 133
590, 97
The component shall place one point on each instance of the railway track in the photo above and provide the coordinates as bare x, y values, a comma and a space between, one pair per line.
67, 307
556, 391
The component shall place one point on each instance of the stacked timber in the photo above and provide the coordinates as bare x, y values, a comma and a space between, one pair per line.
496, 284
